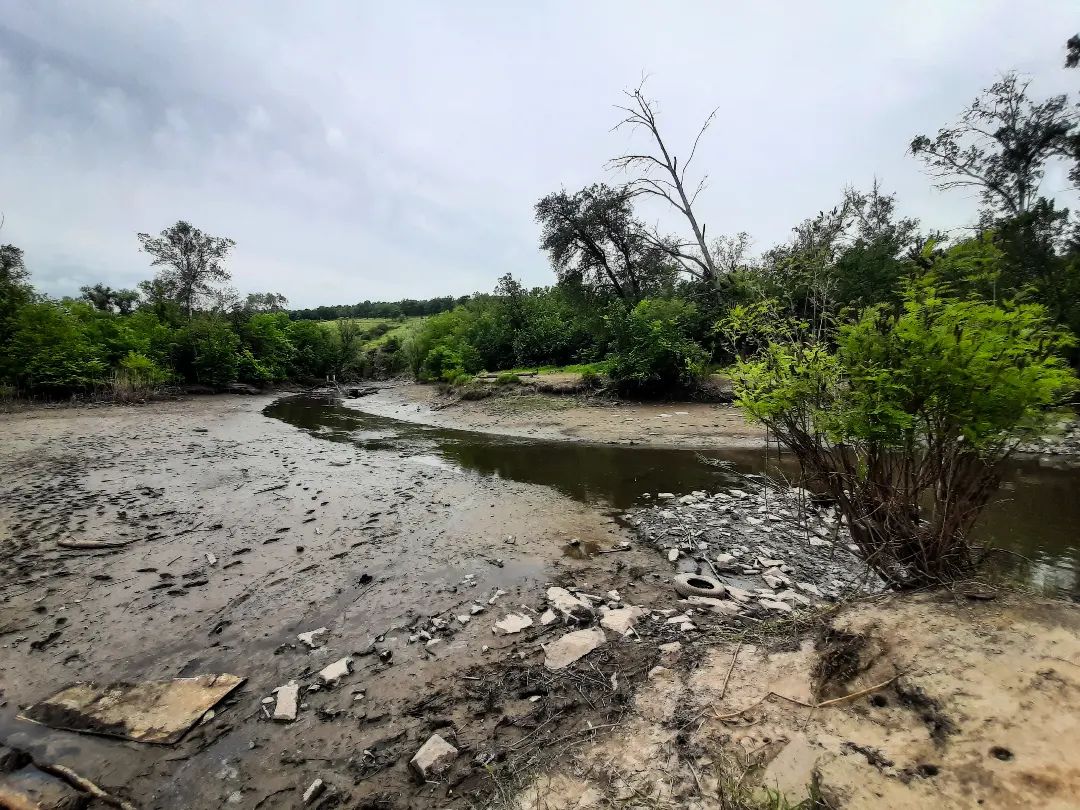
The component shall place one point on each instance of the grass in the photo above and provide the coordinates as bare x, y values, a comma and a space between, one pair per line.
398, 328
599, 367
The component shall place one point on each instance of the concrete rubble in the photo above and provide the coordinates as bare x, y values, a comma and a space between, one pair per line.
288, 698
433, 758
574, 645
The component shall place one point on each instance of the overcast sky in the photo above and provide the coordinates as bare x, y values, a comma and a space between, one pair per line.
387, 150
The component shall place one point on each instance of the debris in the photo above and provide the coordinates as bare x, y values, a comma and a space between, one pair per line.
314, 791
673, 555
724, 607
572, 646
311, 638
287, 698
93, 545
698, 585
569, 605
547, 617
771, 604
31, 789
210, 559
621, 620
333, 673
513, 623
434, 757
151, 711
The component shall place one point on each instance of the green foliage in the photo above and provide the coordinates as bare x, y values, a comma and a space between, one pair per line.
266, 337
50, 351
654, 353
208, 351
506, 378
442, 363
906, 416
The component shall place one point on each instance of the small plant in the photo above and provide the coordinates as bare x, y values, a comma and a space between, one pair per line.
507, 378
590, 380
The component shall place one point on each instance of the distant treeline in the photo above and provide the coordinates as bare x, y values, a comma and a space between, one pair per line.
405, 308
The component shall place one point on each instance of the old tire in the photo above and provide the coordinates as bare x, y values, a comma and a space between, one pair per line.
698, 585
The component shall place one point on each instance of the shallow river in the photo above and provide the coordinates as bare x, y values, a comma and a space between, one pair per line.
1036, 514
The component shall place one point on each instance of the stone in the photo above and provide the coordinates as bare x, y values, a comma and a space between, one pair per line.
738, 594
766, 563
621, 620
724, 607
665, 495
687, 627
310, 639
333, 673
512, 623
682, 617
433, 758
547, 617
476, 609
791, 596
572, 646
314, 791
287, 698
673, 555
817, 542
780, 607
569, 605
658, 672
670, 652
808, 587
463, 620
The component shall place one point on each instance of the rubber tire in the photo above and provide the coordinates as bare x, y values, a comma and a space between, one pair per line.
689, 585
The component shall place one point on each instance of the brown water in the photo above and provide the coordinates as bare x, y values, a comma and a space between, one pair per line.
1036, 515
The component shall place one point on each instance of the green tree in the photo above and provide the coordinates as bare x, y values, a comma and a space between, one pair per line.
907, 420
654, 354
192, 262
50, 352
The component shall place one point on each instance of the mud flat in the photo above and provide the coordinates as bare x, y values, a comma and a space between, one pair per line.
423, 620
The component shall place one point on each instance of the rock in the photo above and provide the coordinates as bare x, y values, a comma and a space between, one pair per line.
463, 620
433, 758
498, 592
476, 609
513, 623
210, 559
724, 607
287, 698
569, 605
333, 673
819, 541
767, 563
791, 596
572, 646
31, 789
738, 594
670, 652
682, 617
672, 555
621, 620
314, 791
809, 587
547, 617
687, 627
781, 607
311, 638
11, 759
667, 496
658, 672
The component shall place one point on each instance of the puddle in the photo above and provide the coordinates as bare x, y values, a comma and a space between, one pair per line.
1035, 515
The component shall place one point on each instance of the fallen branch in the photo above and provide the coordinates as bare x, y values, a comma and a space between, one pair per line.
85, 785
797, 702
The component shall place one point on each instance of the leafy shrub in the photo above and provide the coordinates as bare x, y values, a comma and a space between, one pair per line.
50, 351
654, 353
137, 377
507, 378
907, 420
441, 363
591, 380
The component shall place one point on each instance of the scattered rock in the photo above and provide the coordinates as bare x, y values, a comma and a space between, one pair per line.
333, 673
511, 624
547, 617
569, 605
288, 696
433, 758
572, 646
621, 620
311, 638
314, 791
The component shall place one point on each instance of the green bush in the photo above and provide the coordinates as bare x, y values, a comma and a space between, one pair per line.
50, 351
507, 378
591, 380
907, 419
441, 363
208, 351
654, 353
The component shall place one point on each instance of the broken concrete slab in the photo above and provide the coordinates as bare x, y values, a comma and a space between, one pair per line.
433, 758
723, 607
158, 712
334, 672
569, 605
314, 791
547, 617
511, 624
311, 638
568, 649
288, 698
621, 620
772, 604
31, 789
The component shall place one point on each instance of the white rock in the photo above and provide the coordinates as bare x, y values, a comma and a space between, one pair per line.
682, 617
687, 627
434, 757
513, 623
498, 592
670, 651
314, 790
547, 617
809, 587
818, 542
725, 607
572, 646
211, 559
665, 495
333, 673
287, 698
476, 609
621, 620
673, 555
463, 620
568, 604
782, 607
311, 638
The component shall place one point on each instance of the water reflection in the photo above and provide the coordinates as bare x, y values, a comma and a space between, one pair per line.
1035, 516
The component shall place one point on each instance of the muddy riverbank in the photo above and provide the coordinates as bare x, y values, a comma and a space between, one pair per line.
246, 522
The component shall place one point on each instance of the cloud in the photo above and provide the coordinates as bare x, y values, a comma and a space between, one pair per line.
387, 150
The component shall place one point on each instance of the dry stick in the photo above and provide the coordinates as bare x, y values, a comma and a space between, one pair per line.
798, 702
85, 785
734, 658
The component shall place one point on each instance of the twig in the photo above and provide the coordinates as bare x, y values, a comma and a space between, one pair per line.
798, 702
734, 658
85, 785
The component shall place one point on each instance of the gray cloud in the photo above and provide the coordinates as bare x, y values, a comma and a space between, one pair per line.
388, 150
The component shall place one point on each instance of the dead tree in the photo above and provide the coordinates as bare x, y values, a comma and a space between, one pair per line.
659, 174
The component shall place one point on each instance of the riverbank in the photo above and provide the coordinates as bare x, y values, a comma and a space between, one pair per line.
411, 583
